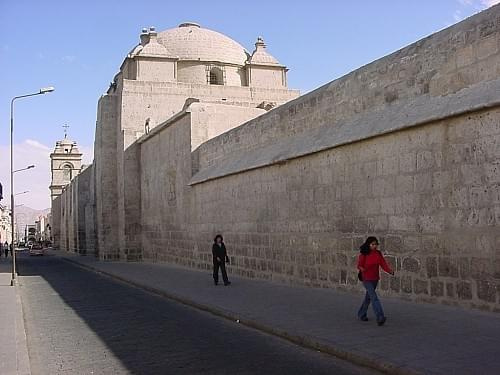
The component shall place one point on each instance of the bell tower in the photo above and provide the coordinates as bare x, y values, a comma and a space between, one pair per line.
65, 163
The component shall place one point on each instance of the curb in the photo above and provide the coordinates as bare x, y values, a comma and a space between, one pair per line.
22, 356
306, 342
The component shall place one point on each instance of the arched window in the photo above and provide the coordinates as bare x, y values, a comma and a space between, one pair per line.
67, 172
216, 76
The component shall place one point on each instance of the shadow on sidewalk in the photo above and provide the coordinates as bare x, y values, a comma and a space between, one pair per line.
146, 333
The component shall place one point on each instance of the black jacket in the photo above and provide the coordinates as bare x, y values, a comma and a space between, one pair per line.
219, 252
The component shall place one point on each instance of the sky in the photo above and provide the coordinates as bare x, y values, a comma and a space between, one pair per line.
78, 46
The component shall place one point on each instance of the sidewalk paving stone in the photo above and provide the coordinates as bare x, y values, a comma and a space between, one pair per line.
14, 359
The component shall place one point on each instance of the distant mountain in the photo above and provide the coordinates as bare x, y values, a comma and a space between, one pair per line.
27, 216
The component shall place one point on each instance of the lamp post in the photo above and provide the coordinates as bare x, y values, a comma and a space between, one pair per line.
23, 169
40, 92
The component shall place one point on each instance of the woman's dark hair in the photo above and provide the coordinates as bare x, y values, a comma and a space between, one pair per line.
365, 248
218, 236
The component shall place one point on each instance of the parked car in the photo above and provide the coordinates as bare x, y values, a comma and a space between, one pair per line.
37, 249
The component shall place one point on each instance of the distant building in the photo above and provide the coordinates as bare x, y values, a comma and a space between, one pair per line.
43, 229
65, 164
5, 225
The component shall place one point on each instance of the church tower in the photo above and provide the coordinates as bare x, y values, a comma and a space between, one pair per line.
65, 164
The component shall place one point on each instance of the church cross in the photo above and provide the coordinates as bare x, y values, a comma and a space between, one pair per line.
65, 126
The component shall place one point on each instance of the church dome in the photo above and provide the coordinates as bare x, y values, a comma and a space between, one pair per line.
191, 42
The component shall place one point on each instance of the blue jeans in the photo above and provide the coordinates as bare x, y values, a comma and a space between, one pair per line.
371, 296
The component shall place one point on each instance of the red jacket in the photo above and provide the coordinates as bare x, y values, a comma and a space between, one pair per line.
371, 263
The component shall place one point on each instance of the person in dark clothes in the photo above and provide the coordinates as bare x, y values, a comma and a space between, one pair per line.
6, 249
220, 258
369, 261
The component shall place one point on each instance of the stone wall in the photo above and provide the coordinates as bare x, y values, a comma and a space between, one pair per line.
405, 148
74, 210
105, 164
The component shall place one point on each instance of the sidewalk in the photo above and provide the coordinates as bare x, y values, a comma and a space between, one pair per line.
14, 358
417, 338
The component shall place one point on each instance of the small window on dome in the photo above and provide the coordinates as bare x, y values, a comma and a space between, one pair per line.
216, 76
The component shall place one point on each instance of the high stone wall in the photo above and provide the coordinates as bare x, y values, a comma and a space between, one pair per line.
406, 148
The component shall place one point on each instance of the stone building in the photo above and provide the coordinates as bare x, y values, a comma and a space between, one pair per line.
196, 137
5, 225
65, 164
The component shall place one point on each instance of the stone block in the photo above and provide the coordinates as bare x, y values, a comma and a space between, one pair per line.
393, 243
459, 197
447, 267
411, 243
384, 282
421, 286
342, 259
395, 284
437, 288
384, 186
406, 284
425, 160
431, 266
387, 166
360, 224
480, 268
411, 264
423, 182
431, 223
464, 268
496, 268
486, 291
334, 276
378, 223
322, 274
464, 290
408, 162
405, 184
343, 276
450, 290
387, 206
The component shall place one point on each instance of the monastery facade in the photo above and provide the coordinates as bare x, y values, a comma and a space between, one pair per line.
196, 136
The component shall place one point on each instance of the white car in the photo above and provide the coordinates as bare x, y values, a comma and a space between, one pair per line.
37, 249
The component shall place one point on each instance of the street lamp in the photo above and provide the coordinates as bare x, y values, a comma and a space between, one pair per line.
42, 91
23, 169
23, 192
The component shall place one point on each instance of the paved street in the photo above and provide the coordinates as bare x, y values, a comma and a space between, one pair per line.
417, 338
78, 322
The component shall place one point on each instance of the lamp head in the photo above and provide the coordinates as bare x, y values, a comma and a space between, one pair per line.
30, 166
45, 90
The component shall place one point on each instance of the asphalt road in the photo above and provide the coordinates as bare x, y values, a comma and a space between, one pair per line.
78, 322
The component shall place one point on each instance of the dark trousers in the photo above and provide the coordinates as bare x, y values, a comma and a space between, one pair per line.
222, 266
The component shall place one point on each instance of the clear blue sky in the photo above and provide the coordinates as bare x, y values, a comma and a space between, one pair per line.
78, 46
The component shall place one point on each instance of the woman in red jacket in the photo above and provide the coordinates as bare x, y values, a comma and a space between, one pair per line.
369, 262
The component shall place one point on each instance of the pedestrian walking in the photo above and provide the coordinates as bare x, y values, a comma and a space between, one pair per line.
220, 258
6, 249
369, 261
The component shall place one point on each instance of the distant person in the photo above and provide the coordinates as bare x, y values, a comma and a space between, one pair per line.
369, 261
11, 249
220, 258
6, 249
